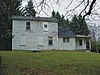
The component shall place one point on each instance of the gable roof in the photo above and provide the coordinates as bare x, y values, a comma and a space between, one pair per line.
47, 19
65, 31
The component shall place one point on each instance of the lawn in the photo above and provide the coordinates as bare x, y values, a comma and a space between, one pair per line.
49, 63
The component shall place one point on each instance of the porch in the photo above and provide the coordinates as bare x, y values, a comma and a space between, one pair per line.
83, 43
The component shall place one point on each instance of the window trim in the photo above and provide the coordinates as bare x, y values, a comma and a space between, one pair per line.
47, 26
50, 39
28, 25
66, 39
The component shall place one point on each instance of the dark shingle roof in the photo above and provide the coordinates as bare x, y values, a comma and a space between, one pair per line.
47, 19
65, 31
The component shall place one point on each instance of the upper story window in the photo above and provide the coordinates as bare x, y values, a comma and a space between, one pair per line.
28, 26
45, 26
66, 39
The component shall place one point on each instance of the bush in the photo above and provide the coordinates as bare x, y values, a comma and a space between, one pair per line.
95, 46
0, 60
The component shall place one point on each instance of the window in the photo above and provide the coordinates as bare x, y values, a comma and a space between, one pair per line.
80, 42
66, 39
27, 25
50, 41
45, 26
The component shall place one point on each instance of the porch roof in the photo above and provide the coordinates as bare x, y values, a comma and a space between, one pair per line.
83, 36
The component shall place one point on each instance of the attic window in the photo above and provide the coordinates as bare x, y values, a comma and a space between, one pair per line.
28, 26
66, 39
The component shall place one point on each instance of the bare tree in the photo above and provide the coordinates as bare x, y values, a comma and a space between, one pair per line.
89, 5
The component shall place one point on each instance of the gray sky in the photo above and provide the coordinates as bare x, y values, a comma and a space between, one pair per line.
54, 5
61, 7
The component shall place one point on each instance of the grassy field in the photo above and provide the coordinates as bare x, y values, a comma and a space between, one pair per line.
49, 63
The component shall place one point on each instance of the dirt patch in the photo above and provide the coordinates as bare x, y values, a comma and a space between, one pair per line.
30, 71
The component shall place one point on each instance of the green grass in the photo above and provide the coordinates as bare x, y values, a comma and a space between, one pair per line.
49, 63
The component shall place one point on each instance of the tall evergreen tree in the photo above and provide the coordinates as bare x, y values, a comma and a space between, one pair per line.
74, 24
67, 22
83, 29
53, 14
62, 21
30, 11
58, 16
62, 16
8, 8
79, 25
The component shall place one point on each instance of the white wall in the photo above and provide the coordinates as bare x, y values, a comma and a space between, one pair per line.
67, 45
32, 36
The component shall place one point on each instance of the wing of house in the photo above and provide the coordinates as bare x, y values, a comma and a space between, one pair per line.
68, 40
43, 33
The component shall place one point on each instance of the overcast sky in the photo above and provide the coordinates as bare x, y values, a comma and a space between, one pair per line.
54, 5
61, 7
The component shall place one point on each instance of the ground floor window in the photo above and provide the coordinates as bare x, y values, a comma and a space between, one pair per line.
50, 40
66, 39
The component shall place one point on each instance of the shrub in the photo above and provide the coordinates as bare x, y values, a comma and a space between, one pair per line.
95, 46
0, 60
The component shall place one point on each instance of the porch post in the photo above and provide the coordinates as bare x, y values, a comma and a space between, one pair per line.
83, 43
90, 43
76, 43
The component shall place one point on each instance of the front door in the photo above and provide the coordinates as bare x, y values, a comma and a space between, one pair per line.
87, 44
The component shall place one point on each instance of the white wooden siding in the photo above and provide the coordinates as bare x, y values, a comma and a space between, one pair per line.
41, 40
22, 40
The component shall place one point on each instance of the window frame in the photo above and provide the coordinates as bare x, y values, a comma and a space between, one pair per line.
28, 25
50, 41
66, 39
47, 26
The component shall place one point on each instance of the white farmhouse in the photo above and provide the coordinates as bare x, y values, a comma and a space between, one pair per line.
42, 33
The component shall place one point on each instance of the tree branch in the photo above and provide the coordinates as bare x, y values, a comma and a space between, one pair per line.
90, 8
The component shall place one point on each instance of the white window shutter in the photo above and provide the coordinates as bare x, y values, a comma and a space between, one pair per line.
22, 40
41, 40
